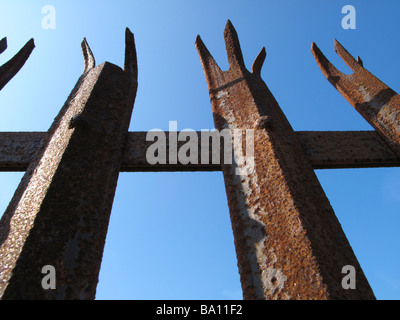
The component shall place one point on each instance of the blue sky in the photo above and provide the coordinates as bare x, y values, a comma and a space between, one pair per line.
169, 234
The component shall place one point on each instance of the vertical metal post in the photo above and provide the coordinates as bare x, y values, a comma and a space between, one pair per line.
288, 241
60, 211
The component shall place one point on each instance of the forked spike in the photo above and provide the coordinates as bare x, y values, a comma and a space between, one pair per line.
70, 186
235, 56
3, 45
11, 68
327, 68
258, 62
373, 99
130, 66
211, 69
243, 101
88, 56
205, 56
352, 63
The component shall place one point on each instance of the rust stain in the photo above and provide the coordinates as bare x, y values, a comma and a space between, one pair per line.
289, 243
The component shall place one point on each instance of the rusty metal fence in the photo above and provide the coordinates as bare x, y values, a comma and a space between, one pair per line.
288, 241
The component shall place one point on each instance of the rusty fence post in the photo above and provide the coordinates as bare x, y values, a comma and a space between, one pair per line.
377, 103
289, 243
60, 211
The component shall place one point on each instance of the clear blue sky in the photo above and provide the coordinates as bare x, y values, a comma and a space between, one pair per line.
170, 235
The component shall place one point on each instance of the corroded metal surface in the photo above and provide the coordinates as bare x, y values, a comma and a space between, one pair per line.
17, 149
60, 211
324, 150
373, 99
346, 149
11, 68
288, 241
136, 159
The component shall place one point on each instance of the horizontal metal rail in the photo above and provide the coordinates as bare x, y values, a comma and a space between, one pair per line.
324, 149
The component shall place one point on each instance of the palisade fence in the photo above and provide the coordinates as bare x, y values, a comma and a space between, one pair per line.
288, 241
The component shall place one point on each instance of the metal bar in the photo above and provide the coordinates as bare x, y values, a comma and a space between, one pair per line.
135, 155
346, 149
289, 243
17, 149
374, 100
324, 150
11, 68
60, 211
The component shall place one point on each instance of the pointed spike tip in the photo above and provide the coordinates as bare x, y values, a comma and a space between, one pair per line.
232, 44
128, 32
201, 48
88, 57
335, 42
317, 53
211, 69
229, 25
230, 30
338, 47
3, 45
130, 65
351, 62
205, 55
314, 47
32, 43
198, 39
259, 62
198, 43
327, 68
